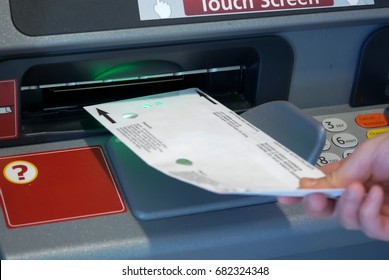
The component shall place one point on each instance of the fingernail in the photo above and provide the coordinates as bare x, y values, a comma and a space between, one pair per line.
308, 183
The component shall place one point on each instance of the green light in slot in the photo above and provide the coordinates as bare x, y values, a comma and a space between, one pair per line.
119, 72
146, 106
158, 103
136, 70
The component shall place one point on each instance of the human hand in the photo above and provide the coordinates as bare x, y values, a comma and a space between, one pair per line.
365, 203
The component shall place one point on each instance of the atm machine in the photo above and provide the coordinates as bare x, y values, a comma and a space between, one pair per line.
71, 190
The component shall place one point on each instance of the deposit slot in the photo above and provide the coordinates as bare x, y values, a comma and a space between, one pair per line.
53, 90
45, 105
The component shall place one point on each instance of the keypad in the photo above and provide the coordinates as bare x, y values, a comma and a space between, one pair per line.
347, 130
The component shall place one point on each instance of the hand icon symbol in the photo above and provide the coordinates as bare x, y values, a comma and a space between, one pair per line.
163, 9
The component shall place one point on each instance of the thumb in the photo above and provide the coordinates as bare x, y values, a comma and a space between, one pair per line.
327, 182
357, 167
320, 183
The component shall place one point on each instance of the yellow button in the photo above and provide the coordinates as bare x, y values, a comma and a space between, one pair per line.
372, 120
375, 132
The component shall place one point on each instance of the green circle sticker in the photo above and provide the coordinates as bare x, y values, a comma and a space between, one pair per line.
184, 161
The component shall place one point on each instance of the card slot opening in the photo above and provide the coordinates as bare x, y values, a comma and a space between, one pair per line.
59, 107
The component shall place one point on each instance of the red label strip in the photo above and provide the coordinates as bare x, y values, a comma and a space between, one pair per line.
206, 7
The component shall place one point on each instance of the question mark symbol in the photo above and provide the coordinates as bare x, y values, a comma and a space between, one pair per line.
20, 172
23, 169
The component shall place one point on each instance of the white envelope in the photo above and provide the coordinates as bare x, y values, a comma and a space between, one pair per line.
192, 137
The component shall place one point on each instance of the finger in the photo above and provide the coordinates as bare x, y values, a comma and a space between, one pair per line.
329, 168
339, 174
348, 206
320, 183
288, 200
356, 167
318, 205
373, 223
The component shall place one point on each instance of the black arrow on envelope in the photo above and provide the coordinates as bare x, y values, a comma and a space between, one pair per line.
105, 115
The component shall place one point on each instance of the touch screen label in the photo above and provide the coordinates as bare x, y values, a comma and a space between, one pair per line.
201, 7
164, 9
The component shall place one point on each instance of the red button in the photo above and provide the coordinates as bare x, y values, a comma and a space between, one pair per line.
372, 120
8, 110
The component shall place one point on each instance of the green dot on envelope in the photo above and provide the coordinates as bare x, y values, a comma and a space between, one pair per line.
184, 161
